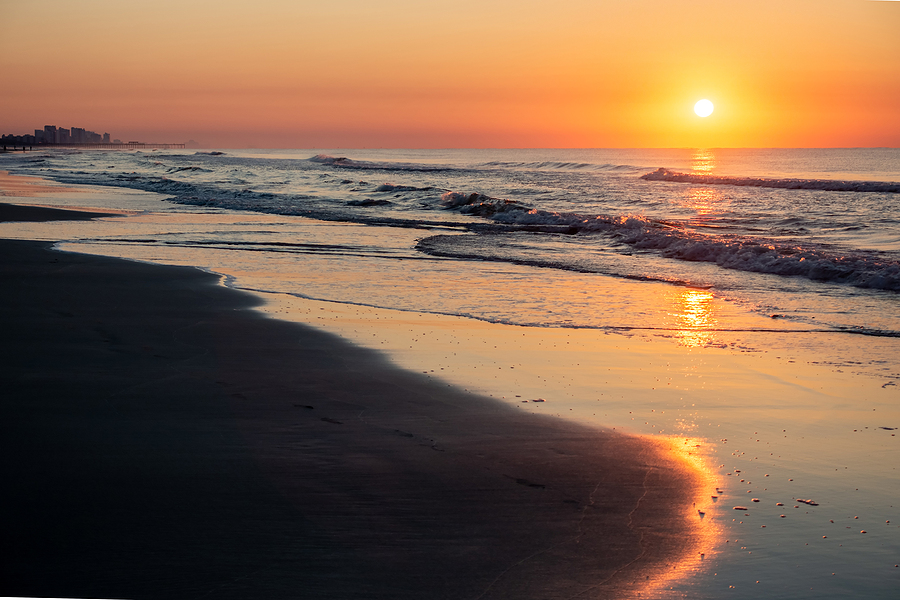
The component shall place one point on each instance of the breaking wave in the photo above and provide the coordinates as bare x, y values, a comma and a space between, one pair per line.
194, 169
829, 185
562, 166
671, 240
390, 187
349, 163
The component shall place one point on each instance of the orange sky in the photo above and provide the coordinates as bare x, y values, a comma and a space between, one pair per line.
456, 73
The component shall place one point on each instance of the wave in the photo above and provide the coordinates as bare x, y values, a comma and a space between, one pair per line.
183, 192
480, 204
861, 270
368, 202
390, 187
192, 168
671, 240
349, 163
829, 185
487, 248
668, 239
550, 165
301, 205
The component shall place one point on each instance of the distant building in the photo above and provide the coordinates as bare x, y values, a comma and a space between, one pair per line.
8, 139
52, 135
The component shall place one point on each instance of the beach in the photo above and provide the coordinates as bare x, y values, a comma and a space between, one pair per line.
160, 439
594, 300
425, 387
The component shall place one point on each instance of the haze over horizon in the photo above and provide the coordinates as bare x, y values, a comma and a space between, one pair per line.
797, 73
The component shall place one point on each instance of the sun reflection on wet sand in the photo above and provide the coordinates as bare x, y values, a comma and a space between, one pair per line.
688, 455
694, 315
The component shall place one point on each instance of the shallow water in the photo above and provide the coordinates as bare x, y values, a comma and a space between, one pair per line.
599, 298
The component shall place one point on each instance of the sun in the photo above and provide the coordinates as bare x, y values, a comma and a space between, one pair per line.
703, 108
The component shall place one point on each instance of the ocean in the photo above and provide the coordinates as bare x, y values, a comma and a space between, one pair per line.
761, 286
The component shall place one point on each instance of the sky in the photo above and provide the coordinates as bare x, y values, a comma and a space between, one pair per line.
456, 73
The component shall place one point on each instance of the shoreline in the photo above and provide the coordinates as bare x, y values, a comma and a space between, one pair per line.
795, 422
306, 463
23, 186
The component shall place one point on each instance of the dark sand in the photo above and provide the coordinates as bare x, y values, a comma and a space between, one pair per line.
19, 213
159, 440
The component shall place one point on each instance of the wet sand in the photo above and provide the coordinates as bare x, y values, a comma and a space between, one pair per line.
21, 186
18, 213
161, 440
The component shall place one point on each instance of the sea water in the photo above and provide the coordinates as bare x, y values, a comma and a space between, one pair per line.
712, 258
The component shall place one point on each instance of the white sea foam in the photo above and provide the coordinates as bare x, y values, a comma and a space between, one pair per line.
580, 212
347, 163
743, 254
829, 185
670, 238
549, 165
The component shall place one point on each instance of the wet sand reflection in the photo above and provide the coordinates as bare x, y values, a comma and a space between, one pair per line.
690, 453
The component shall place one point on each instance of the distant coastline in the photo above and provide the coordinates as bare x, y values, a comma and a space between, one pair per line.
22, 147
52, 136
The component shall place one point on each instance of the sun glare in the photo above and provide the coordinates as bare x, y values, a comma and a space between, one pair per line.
703, 108
694, 316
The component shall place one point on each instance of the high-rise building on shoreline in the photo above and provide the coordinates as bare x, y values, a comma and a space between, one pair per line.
51, 134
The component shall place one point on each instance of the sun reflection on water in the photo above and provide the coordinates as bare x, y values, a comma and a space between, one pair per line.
694, 317
703, 201
703, 161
